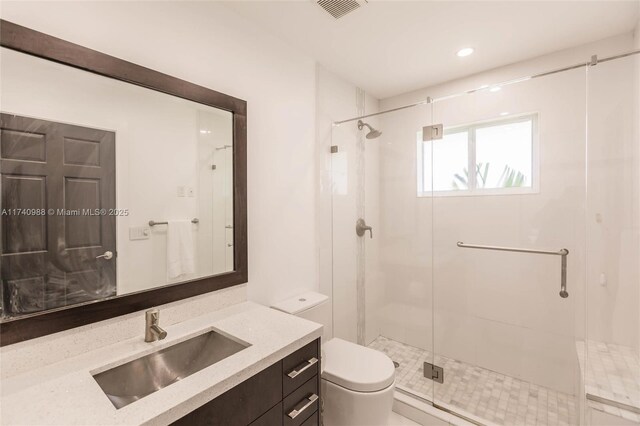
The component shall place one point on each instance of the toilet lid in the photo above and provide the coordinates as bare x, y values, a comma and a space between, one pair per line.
356, 367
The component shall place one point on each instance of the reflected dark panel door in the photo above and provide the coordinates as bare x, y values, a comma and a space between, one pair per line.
55, 180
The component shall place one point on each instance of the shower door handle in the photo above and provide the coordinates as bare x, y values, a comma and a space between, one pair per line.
362, 227
563, 253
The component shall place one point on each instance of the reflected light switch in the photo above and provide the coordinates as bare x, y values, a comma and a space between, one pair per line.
139, 233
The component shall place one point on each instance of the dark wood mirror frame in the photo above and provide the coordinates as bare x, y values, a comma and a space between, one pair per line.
31, 42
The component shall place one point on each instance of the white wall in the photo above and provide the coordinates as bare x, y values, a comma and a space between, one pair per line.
212, 46
497, 310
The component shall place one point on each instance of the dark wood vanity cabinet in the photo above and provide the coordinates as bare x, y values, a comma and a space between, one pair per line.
287, 393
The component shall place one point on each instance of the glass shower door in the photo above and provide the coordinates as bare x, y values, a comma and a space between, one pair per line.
382, 292
508, 197
346, 193
612, 359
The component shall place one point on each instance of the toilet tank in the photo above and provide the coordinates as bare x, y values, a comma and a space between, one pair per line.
312, 306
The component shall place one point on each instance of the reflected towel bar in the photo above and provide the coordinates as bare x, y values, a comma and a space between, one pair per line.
562, 252
154, 223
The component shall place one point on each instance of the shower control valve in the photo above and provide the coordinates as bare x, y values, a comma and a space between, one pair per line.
362, 227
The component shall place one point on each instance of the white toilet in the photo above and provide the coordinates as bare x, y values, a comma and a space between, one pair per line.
357, 382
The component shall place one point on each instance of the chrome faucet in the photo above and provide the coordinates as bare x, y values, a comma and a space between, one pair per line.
152, 330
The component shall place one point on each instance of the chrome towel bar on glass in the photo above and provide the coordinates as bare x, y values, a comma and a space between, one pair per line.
154, 223
562, 252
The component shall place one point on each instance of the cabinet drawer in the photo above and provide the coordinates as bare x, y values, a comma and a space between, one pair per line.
270, 418
314, 420
299, 367
242, 404
301, 403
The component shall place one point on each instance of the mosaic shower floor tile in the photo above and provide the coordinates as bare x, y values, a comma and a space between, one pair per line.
612, 373
477, 392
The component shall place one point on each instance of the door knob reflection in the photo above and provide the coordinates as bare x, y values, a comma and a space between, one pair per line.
107, 255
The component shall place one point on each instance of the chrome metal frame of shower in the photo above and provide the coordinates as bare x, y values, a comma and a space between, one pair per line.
592, 62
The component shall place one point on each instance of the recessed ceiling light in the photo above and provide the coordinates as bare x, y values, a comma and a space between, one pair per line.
465, 52
495, 89
504, 113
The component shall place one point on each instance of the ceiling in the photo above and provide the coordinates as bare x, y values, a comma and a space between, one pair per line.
391, 47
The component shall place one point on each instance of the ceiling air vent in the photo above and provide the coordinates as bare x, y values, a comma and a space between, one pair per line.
339, 8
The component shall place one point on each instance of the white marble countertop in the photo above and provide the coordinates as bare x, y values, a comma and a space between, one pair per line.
65, 393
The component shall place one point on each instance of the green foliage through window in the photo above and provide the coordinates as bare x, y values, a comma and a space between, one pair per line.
510, 177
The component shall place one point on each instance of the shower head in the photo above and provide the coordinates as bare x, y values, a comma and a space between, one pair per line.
373, 133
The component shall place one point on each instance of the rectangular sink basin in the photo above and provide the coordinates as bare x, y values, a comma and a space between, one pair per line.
138, 378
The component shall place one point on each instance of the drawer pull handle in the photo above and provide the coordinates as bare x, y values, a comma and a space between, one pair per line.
310, 400
302, 367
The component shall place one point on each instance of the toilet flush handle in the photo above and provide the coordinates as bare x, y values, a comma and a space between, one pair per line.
302, 367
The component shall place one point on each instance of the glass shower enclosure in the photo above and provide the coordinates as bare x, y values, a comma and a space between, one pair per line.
501, 270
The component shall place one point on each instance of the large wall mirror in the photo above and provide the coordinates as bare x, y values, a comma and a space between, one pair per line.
121, 187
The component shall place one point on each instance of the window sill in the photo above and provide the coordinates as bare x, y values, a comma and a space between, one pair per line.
479, 193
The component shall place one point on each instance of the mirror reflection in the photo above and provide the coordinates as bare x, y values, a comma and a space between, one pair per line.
107, 188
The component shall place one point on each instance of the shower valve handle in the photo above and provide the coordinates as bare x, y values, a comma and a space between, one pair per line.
362, 227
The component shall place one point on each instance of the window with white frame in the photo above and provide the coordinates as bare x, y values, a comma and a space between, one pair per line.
488, 158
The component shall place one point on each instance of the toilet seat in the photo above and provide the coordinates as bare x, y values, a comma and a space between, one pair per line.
356, 367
